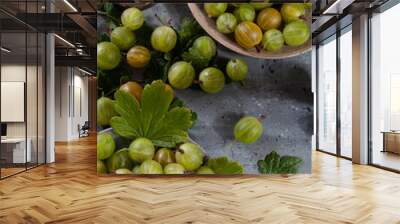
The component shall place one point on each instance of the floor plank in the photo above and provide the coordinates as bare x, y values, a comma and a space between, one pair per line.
69, 191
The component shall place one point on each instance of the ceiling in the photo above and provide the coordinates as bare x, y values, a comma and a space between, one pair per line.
74, 22
332, 15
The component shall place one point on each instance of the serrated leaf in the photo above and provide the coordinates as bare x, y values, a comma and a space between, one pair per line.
152, 118
289, 164
189, 27
262, 166
179, 103
222, 165
273, 163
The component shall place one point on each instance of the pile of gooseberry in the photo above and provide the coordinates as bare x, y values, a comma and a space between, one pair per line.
123, 39
142, 157
181, 74
262, 25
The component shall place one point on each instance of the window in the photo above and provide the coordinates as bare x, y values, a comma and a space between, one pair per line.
385, 89
346, 74
327, 96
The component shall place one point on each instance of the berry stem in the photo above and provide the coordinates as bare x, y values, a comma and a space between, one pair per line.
197, 82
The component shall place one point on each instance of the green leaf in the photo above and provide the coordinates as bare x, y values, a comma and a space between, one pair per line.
275, 164
103, 37
222, 165
179, 103
289, 164
188, 29
112, 12
272, 162
152, 118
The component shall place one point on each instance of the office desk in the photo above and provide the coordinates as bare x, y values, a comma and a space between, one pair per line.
13, 150
391, 141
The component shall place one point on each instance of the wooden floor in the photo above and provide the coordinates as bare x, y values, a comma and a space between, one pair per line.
69, 191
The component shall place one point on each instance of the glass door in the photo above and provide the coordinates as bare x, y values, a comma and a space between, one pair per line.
346, 74
22, 78
14, 153
327, 96
385, 90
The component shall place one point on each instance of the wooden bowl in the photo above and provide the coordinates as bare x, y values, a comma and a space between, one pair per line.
208, 24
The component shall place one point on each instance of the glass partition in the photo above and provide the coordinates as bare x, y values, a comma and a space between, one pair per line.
22, 89
327, 96
346, 93
385, 89
15, 152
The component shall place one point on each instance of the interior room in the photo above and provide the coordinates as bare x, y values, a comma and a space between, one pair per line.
22, 96
385, 91
48, 94
334, 68
31, 93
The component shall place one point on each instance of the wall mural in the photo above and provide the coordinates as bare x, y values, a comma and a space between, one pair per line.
212, 88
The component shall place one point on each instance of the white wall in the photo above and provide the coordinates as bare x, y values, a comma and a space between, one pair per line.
70, 83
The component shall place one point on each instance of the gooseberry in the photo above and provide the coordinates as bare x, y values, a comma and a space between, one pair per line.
101, 167
269, 18
245, 13
136, 169
248, 130
174, 168
296, 33
151, 167
273, 40
205, 170
226, 23
132, 18
163, 39
260, 5
132, 88
138, 56
141, 149
248, 34
181, 75
212, 80
120, 159
215, 9
190, 156
108, 55
164, 156
237, 69
105, 111
123, 38
292, 11
123, 171
105, 146
205, 47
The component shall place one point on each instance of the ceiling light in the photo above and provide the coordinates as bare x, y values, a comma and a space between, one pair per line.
64, 40
70, 5
5, 50
84, 71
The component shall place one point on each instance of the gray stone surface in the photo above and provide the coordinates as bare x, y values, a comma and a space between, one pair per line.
278, 89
